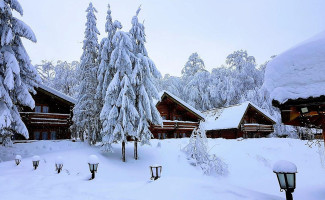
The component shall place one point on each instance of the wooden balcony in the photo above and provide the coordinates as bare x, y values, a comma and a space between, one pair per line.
257, 128
48, 119
177, 125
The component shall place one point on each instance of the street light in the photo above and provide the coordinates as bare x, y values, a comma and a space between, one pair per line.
58, 164
93, 165
155, 171
286, 174
18, 159
36, 160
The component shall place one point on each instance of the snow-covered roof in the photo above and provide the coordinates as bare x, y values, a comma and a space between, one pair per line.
229, 117
57, 93
298, 72
186, 105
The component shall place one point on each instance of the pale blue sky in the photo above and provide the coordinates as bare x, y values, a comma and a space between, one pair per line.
177, 28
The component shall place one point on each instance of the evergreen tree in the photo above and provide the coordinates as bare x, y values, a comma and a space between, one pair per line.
143, 74
119, 114
18, 77
84, 111
193, 65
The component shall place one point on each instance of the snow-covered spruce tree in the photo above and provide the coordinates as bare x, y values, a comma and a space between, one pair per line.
18, 77
119, 116
197, 153
142, 79
84, 111
105, 71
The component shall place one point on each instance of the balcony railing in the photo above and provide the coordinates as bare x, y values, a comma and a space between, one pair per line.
257, 128
179, 125
34, 118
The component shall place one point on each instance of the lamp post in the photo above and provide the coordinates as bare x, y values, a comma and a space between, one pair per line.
286, 174
58, 164
93, 165
36, 160
17, 159
155, 171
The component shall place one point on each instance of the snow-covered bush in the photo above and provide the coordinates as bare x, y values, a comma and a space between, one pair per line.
197, 153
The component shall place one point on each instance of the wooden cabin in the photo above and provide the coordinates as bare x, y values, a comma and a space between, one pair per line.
51, 117
242, 120
309, 112
179, 118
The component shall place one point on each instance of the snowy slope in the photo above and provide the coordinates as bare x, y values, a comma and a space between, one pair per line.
298, 72
250, 172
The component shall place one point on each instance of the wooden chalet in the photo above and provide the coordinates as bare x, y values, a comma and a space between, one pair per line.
179, 118
296, 82
242, 120
309, 112
51, 117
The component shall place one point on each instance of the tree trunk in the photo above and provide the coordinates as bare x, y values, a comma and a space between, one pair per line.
323, 126
136, 149
123, 151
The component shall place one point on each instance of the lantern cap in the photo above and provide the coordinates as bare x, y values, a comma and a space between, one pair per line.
93, 159
284, 166
18, 157
59, 160
36, 158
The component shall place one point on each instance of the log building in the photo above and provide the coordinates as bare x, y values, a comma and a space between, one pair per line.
51, 117
179, 118
242, 120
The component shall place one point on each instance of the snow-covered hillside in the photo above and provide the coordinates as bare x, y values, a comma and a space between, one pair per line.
250, 176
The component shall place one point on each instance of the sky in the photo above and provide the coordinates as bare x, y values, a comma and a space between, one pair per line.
177, 28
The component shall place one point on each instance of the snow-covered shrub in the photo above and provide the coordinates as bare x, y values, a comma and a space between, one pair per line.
197, 153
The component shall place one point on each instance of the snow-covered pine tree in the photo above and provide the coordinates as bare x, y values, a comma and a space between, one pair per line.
84, 111
18, 76
105, 71
119, 114
143, 74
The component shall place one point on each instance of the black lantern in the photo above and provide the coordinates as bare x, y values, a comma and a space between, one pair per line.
17, 159
35, 164
286, 174
58, 167
155, 172
36, 161
93, 169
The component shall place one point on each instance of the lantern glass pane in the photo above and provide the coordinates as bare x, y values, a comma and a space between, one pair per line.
91, 167
95, 167
291, 180
282, 181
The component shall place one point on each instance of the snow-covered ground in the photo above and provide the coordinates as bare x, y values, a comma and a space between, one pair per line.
250, 176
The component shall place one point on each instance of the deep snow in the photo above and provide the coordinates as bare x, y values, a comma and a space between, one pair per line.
250, 176
298, 72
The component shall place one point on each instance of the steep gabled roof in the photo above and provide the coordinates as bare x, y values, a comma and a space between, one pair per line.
57, 94
230, 117
182, 103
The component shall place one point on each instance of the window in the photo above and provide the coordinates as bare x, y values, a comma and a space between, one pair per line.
53, 135
38, 109
44, 135
159, 135
45, 109
164, 117
42, 108
36, 135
